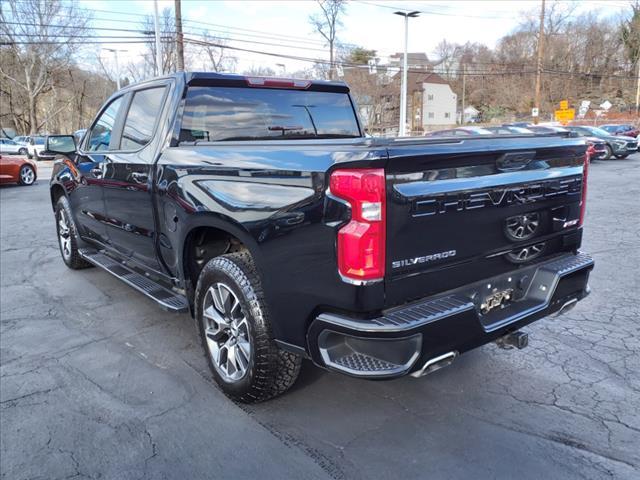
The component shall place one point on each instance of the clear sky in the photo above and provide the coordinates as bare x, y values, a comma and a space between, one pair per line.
254, 24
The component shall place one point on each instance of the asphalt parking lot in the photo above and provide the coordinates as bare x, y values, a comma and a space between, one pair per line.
97, 382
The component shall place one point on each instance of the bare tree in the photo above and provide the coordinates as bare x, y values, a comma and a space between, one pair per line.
42, 36
214, 50
259, 71
327, 24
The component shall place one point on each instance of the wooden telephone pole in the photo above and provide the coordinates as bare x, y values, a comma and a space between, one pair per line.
179, 36
539, 65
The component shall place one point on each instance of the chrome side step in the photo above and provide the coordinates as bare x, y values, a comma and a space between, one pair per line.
166, 298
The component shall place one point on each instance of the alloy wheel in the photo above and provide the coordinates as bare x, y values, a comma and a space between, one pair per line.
226, 329
27, 175
64, 234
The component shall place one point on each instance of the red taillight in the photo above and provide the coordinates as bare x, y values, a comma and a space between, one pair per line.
583, 200
277, 83
361, 242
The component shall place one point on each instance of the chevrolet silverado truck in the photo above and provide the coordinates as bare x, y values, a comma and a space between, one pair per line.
261, 207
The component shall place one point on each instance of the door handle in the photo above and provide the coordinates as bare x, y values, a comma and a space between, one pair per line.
96, 172
139, 177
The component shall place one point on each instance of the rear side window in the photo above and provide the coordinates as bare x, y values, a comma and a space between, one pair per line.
141, 118
100, 137
228, 113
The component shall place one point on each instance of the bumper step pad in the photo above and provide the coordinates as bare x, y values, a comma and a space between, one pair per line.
166, 298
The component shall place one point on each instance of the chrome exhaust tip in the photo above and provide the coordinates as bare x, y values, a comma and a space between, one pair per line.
567, 307
435, 363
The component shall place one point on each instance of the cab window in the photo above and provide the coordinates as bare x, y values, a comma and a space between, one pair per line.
144, 111
100, 138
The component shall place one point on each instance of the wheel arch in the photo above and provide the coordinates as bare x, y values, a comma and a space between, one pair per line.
56, 191
208, 236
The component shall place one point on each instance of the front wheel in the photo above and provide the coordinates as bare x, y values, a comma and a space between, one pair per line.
625, 155
236, 332
609, 153
23, 151
27, 175
68, 236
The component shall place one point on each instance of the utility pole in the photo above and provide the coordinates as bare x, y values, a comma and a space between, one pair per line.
539, 65
402, 130
464, 91
179, 36
156, 21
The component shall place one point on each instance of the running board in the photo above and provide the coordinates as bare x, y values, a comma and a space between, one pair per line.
166, 298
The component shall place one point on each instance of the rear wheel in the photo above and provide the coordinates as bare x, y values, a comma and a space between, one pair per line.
27, 175
68, 236
236, 332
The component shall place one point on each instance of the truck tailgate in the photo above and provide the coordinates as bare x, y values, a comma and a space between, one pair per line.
463, 210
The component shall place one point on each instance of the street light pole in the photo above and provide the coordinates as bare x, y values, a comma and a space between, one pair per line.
402, 130
156, 21
115, 52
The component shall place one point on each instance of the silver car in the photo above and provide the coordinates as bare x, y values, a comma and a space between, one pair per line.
9, 146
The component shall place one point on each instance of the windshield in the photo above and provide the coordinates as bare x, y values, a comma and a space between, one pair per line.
227, 113
597, 131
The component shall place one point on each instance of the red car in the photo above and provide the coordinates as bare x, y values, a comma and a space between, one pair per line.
624, 129
15, 169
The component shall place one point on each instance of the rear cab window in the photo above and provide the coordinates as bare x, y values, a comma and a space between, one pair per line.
213, 113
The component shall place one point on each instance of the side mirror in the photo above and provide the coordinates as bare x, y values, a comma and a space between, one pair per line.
62, 144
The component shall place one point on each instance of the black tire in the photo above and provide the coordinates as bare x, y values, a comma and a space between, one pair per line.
27, 175
22, 151
269, 370
29, 156
69, 251
620, 157
609, 153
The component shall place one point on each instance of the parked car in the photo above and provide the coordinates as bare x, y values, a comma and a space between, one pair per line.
21, 140
459, 132
20, 170
625, 130
36, 148
10, 146
258, 205
509, 130
617, 145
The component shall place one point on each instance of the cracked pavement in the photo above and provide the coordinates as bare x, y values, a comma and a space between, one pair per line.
98, 382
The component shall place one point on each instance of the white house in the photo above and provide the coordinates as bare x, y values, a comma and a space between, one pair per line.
439, 103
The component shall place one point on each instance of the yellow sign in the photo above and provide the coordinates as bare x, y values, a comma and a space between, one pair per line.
564, 105
565, 116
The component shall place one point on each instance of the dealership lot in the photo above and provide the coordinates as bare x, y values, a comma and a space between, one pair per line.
97, 381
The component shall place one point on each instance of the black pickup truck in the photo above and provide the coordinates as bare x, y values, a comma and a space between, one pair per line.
261, 207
